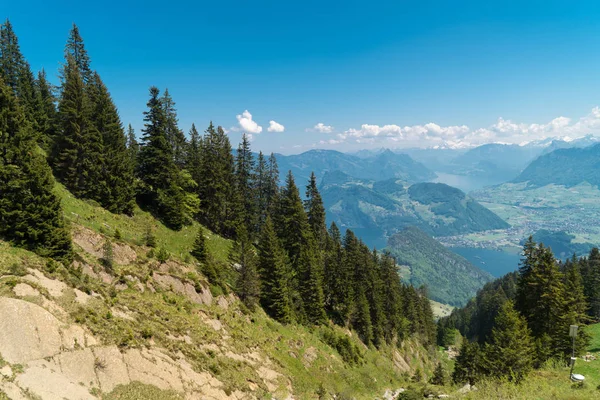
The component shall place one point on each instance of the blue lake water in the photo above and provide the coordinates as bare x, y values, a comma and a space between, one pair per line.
497, 263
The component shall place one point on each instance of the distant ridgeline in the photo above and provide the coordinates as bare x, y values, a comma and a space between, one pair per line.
290, 263
567, 167
380, 166
549, 297
449, 278
378, 209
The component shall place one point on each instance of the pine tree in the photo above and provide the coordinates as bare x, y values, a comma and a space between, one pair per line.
469, 364
175, 136
593, 283
118, 171
161, 192
275, 276
392, 299
30, 212
133, 147
200, 250
546, 298
261, 193
311, 283
272, 187
77, 156
108, 258
216, 185
574, 313
16, 73
248, 283
194, 155
75, 50
292, 222
360, 318
245, 183
510, 352
439, 375
315, 211
46, 112
338, 280
528, 262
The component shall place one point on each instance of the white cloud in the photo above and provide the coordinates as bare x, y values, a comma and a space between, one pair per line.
502, 131
248, 124
275, 127
322, 128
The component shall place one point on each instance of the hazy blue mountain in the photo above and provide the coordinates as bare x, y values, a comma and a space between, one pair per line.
567, 167
382, 165
496, 162
378, 209
450, 278
557, 144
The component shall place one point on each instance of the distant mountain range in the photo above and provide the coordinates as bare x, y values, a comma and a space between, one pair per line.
567, 167
376, 210
376, 166
489, 164
450, 278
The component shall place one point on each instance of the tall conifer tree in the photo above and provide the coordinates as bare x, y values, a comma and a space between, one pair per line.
133, 147
248, 283
77, 157
275, 276
246, 184
216, 185
315, 211
161, 192
16, 72
75, 49
30, 212
175, 135
46, 112
510, 352
117, 168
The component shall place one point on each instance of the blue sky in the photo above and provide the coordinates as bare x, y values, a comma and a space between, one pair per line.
374, 74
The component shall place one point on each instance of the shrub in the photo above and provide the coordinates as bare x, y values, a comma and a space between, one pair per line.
163, 255
349, 352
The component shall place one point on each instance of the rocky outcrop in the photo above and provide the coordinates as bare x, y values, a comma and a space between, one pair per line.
58, 361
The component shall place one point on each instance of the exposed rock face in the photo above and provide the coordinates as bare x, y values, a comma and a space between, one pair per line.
63, 362
92, 243
27, 332
184, 288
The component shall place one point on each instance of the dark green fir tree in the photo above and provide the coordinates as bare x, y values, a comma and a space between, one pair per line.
30, 213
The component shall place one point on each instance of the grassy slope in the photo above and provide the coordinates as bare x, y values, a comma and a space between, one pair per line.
134, 228
551, 382
157, 317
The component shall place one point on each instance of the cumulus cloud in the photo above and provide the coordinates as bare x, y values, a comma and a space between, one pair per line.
275, 127
247, 124
322, 128
502, 131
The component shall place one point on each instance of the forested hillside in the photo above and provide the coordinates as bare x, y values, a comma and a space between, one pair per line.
450, 279
378, 209
526, 315
283, 258
567, 167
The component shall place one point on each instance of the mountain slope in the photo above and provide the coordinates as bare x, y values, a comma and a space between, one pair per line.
567, 167
450, 278
160, 330
383, 165
376, 210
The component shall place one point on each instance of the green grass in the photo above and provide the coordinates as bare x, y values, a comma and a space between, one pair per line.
299, 354
551, 382
137, 391
133, 229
